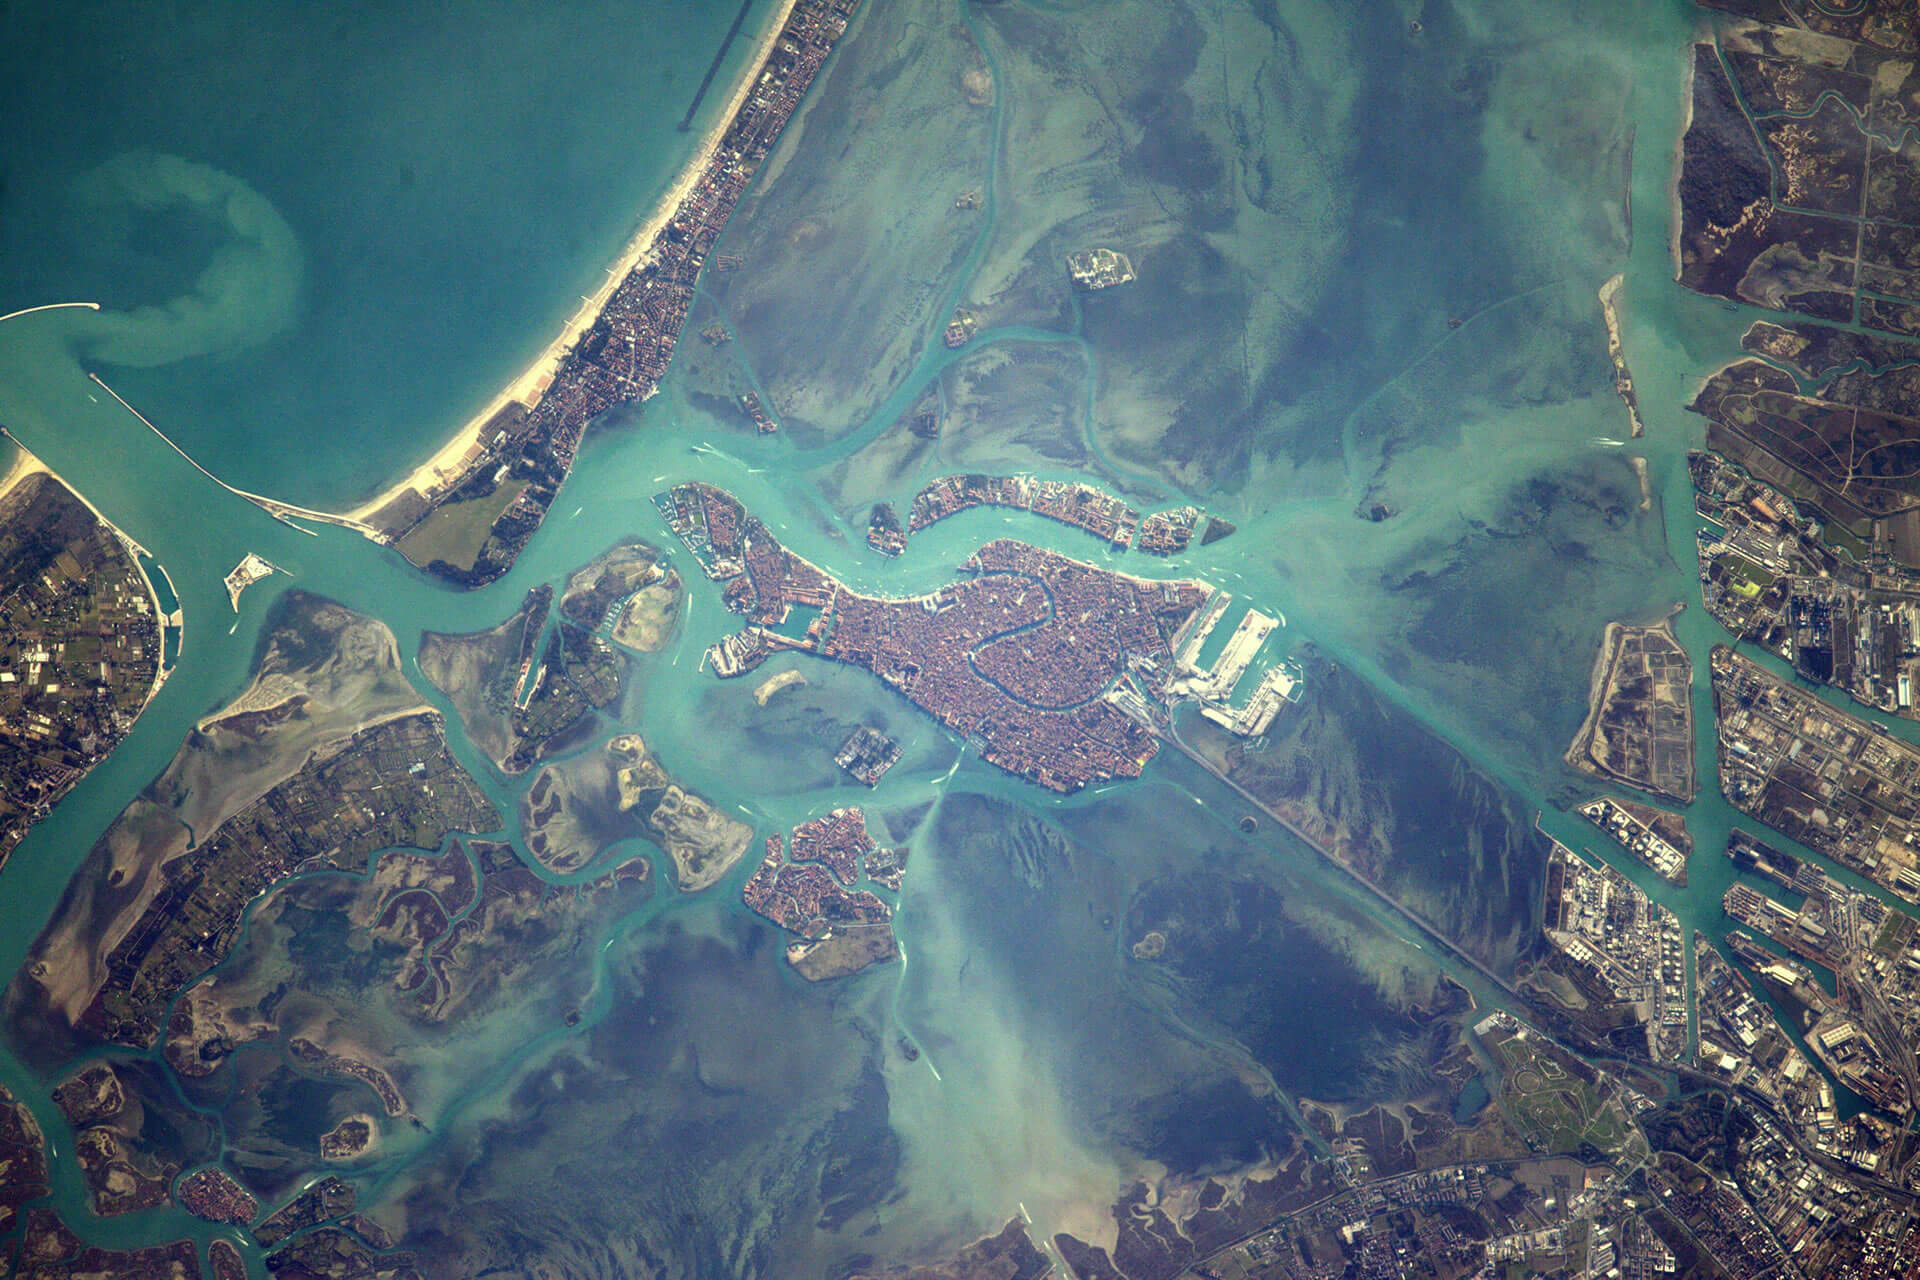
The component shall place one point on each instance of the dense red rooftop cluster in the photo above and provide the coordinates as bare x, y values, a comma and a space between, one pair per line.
1018, 657
838, 842
1080, 505
804, 899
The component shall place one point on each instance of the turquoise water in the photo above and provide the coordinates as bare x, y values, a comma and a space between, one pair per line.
364, 285
333, 231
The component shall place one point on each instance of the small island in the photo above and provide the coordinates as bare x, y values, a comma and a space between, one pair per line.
867, 755
351, 1138
1092, 270
1639, 725
768, 689
251, 569
1080, 505
810, 887
212, 1194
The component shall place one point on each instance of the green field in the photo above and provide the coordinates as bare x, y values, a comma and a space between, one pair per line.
457, 531
1747, 571
1553, 1107
1841, 538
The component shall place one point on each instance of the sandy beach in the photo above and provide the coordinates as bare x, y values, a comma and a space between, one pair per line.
29, 464
446, 464
24, 465
1675, 209
1617, 352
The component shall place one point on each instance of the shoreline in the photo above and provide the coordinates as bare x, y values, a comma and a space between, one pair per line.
30, 464
1675, 209
1617, 352
448, 462
1599, 679
24, 467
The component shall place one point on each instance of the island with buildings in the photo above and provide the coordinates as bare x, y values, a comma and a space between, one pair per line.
213, 1194
81, 643
867, 754
811, 885
1658, 838
1060, 672
1080, 505
1092, 270
251, 569
1639, 725
466, 514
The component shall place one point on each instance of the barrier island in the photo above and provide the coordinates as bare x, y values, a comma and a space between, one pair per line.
466, 513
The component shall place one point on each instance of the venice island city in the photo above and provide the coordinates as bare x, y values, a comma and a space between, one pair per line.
574, 879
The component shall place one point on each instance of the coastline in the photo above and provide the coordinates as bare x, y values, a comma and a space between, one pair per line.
27, 465
1599, 679
1675, 212
448, 463
1617, 352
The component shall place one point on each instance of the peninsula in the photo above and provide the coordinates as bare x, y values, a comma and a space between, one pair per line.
467, 511
80, 643
327, 757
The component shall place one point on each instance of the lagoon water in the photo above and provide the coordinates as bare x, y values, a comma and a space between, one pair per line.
324, 236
